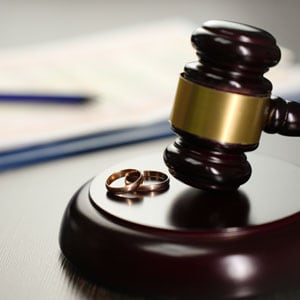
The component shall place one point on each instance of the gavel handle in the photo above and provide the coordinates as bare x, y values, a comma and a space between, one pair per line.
283, 117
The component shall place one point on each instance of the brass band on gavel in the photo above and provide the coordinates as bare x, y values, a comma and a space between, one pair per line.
217, 115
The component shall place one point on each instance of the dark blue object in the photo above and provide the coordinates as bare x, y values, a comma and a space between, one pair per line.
43, 98
14, 158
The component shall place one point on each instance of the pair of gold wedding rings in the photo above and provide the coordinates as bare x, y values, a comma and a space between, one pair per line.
135, 181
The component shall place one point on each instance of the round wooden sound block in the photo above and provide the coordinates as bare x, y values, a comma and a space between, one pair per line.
189, 242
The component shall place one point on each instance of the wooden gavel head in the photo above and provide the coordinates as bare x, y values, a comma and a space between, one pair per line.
223, 103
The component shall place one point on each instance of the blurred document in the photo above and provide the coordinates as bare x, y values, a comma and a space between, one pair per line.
131, 73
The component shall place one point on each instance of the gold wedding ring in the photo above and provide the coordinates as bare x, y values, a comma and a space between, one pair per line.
161, 178
134, 182
127, 188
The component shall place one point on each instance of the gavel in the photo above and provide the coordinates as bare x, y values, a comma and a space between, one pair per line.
223, 103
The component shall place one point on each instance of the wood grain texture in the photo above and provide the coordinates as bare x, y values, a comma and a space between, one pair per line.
32, 204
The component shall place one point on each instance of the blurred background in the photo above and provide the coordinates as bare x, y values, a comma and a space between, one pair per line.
91, 47
31, 21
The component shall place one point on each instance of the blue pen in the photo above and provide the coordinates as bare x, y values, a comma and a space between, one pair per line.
45, 98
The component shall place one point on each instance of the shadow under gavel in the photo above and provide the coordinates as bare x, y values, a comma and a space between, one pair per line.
198, 209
